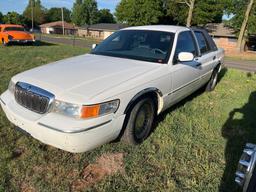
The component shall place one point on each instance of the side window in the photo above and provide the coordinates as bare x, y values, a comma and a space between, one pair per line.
185, 43
202, 42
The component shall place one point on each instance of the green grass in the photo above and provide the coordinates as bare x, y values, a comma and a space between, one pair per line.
187, 151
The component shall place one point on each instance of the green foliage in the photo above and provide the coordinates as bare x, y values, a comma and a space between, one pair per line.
205, 11
105, 16
13, 18
139, 12
85, 12
39, 12
238, 9
54, 14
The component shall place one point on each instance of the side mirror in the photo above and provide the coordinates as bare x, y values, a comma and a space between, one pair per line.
185, 57
94, 46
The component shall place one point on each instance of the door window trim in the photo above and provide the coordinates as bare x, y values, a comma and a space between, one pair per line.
207, 43
197, 54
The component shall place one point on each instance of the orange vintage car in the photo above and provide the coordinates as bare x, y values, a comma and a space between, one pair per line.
14, 34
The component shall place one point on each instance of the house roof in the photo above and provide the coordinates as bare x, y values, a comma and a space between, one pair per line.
58, 24
220, 30
105, 26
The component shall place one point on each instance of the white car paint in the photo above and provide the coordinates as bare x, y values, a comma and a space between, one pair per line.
91, 79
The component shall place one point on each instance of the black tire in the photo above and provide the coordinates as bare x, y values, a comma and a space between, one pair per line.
139, 122
252, 184
213, 81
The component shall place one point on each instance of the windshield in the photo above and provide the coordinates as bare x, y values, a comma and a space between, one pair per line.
144, 45
14, 29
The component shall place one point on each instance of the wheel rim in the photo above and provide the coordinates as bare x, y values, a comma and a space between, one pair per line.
143, 121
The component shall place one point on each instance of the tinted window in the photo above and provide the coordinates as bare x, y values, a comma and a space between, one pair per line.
145, 45
202, 42
185, 43
14, 29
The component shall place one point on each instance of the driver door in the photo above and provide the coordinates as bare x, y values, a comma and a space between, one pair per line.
185, 75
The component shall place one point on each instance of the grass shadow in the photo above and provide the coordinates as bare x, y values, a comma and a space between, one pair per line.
43, 43
239, 129
37, 43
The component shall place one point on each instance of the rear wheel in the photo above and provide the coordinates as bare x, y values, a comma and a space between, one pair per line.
213, 81
139, 122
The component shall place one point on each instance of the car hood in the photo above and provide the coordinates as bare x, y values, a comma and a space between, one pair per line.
84, 77
19, 34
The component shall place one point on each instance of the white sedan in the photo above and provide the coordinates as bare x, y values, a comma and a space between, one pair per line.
116, 91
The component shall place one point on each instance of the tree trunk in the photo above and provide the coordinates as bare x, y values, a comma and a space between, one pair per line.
190, 12
243, 27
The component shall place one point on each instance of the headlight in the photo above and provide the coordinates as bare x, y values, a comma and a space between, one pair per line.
11, 86
85, 111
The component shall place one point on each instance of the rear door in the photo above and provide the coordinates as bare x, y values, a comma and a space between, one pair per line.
208, 57
185, 75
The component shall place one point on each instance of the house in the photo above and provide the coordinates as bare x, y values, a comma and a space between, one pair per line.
223, 36
57, 28
226, 38
100, 30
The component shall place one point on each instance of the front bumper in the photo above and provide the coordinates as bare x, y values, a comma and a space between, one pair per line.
62, 132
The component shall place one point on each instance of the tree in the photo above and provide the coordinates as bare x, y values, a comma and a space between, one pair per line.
54, 14
85, 12
139, 12
191, 5
13, 18
243, 20
105, 16
1, 17
39, 12
244, 25
196, 12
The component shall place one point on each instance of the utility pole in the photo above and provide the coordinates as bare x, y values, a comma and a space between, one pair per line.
63, 25
32, 14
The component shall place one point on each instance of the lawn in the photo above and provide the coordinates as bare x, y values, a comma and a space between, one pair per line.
194, 147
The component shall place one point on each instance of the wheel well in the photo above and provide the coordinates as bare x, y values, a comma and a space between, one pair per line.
154, 95
218, 67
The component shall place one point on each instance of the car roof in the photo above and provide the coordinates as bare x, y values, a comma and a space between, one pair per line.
166, 28
10, 25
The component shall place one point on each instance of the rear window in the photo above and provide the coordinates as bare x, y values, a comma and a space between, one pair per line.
202, 42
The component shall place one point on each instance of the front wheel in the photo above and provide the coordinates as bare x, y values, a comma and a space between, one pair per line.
139, 122
4, 43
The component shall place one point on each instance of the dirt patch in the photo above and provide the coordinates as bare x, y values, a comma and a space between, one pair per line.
105, 165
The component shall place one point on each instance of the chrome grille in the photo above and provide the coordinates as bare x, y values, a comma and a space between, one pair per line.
33, 98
